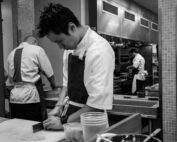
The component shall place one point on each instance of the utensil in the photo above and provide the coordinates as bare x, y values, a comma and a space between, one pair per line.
103, 138
152, 134
37, 127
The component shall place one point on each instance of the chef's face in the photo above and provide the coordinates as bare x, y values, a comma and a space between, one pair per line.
64, 41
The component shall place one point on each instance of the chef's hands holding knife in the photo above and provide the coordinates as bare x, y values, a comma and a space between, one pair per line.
53, 123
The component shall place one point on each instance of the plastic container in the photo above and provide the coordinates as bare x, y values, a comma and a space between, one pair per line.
93, 123
73, 131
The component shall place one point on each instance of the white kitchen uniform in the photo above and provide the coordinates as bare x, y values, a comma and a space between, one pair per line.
33, 60
138, 63
99, 69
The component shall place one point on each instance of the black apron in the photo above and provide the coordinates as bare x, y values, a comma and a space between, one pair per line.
38, 115
76, 88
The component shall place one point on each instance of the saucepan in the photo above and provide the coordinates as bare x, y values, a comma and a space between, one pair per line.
111, 137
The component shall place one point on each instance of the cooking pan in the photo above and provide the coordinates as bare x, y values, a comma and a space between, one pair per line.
110, 137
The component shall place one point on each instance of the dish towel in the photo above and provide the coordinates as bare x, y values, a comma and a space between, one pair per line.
136, 77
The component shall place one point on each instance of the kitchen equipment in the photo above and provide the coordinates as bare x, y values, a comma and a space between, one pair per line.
37, 127
125, 138
19, 130
124, 106
93, 123
73, 131
103, 138
152, 135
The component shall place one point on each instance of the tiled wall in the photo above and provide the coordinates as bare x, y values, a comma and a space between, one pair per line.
168, 47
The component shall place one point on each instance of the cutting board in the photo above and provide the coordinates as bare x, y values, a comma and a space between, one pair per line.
19, 130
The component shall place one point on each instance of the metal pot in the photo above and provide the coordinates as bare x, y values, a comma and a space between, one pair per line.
125, 138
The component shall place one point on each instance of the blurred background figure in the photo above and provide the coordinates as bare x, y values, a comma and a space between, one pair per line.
25, 63
137, 68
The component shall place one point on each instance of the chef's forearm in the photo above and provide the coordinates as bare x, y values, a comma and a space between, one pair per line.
62, 96
75, 117
52, 82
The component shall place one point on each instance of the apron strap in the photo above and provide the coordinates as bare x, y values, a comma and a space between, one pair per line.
42, 99
17, 65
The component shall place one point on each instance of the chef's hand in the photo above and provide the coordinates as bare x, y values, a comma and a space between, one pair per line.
57, 111
53, 123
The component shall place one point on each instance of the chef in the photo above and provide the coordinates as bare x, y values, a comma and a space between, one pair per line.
88, 70
137, 67
25, 63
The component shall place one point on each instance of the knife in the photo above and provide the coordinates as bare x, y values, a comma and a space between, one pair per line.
37, 127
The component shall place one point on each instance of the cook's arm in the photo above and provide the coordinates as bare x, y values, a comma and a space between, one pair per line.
62, 96
75, 117
52, 82
45, 67
59, 105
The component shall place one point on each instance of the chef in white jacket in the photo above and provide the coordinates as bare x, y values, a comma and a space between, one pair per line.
137, 67
88, 71
25, 65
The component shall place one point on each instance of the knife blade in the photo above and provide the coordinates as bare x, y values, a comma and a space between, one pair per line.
37, 127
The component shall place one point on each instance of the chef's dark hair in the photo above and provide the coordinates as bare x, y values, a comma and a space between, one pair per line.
134, 50
55, 18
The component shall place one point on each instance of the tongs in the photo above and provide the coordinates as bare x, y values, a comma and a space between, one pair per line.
152, 135
103, 138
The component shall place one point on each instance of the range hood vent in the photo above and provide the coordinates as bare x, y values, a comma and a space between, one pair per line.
129, 16
144, 22
110, 8
154, 26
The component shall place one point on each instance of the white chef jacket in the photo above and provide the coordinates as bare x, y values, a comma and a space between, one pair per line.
139, 63
33, 59
99, 68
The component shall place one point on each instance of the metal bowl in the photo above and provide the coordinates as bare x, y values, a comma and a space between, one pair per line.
125, 138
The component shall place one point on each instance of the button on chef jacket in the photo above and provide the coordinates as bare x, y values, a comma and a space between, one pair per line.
33, 57
99, 68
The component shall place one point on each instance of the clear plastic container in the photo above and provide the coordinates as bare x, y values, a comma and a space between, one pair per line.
93, 123
73, 131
